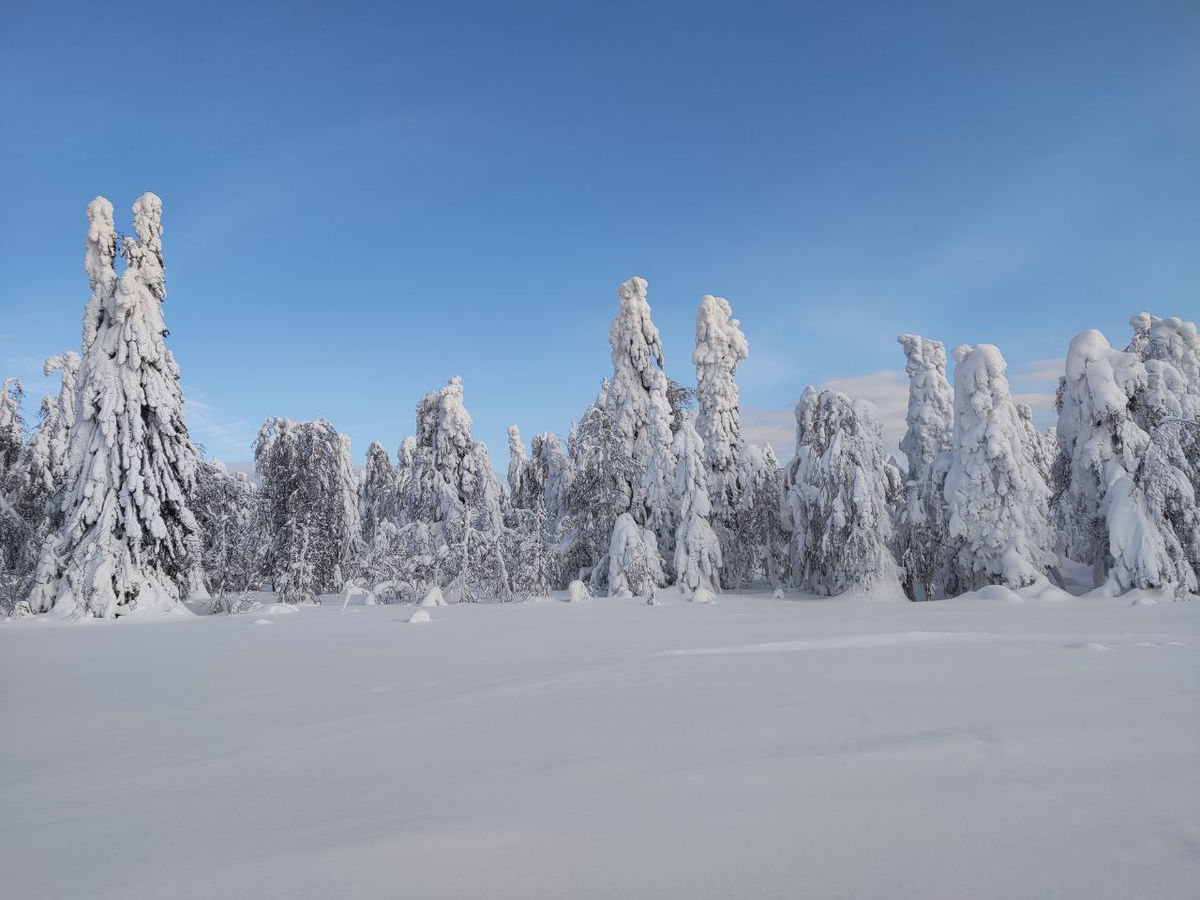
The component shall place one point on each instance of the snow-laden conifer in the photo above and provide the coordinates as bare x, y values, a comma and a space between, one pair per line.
1099, 441
930, 417
378, 495
597, 493
453, 499
12, 424
128, 540
720, 347
996, 497
634, 567
835, 506
637, 400
697, 548
310, 495
227, 508
760, 549
922, 520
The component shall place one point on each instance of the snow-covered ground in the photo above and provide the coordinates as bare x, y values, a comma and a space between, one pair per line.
752, 748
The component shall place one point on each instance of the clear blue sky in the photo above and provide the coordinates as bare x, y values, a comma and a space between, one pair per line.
362, 200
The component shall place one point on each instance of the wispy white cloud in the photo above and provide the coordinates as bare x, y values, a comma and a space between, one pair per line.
1039, 371
228, 441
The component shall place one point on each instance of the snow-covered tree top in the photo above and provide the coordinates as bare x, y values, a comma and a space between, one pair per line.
1106, 377
930, 415
720, 346
633, 336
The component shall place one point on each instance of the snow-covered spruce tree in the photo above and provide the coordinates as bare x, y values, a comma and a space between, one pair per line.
378, 495
526, 548
1099, 442
128, 541
641, 410
518, 461
227, 508
405, 457
923, 544
12, 425
602, 471
634, 567
554, 474
995, 495
835, 506
1170, 349
1151, 514
720, 346
379, 516
760, 551
454, 494
310, 497
18, 538
526, 474
31, 483
1040, 446
697, 548
930, 417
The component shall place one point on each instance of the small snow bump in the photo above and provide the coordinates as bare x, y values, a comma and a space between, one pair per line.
418, 618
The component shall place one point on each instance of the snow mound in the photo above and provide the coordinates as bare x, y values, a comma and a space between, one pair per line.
577, 592
1090, 646
433, 598
419, 617
276, 609
703, 595
262, 622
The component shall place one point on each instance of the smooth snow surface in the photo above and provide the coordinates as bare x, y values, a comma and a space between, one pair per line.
760, 748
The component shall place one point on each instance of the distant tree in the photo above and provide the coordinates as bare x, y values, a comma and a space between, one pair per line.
835, 506
923, 544
996, 497
697, 548
228, 510
310, 496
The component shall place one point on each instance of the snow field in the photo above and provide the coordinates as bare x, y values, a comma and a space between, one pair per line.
753, 748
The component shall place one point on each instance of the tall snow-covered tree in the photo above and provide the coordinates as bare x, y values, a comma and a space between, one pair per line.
720, 346
641, 410
1099, 441
1040, 446
759, 551
697, 548
455, 495
996, 497
128, 541
12, 424
835, 505
930, 417
1151, 513
227, 508
1170, 349
634, 567
598, 491
922, 526
554, 475
378, 495
310, 496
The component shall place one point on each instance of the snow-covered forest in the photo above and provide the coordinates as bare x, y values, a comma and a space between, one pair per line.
107, 508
